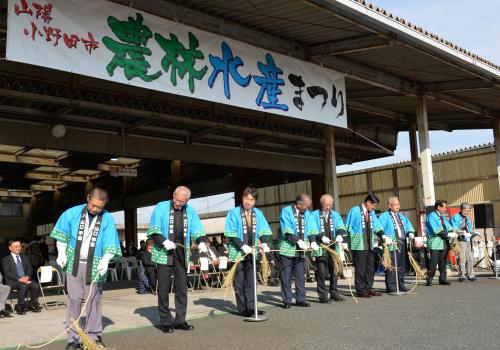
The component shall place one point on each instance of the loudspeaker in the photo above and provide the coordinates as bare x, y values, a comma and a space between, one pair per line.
483, 215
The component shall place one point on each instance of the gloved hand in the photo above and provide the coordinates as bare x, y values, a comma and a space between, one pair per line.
339, 239
387, 240
326, 240
61, 258
265, 248
345, 246
452, 235
102, 268
314, 246
246, 249
411, 235
168, 244
467, 234
202, 248
302, 245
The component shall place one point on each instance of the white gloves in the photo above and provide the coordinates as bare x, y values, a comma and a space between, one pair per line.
326, 240
314, 246
246, 249
61, 254
411, 235
168, 244
202, 248
387, 240
265, 248
102, 268
339, 239
452, 235
302, 245
345, 246
467, 234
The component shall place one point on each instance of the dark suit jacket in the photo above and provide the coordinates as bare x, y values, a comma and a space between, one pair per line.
214, 250
146, 259
221, 249
10, 271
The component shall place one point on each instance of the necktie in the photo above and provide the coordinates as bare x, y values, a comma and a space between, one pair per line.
249, 225
19, 267
400, 225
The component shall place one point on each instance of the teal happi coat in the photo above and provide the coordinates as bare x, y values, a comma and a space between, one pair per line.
159, 225
234, 229
66, 231
385, 220
314, 229
288, 226
456, 223
355, 229
434, 228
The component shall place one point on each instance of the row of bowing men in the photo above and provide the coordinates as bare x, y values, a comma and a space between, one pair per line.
87, 241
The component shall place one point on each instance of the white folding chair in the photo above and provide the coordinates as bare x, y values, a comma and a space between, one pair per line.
46, 280
113, 273
125, 268
134, 265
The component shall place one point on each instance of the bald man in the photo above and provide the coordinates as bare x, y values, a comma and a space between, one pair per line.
174, 224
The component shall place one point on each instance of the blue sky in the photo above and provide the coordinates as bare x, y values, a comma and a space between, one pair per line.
471, 24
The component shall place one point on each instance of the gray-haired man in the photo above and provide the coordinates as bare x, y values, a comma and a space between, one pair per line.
463, 224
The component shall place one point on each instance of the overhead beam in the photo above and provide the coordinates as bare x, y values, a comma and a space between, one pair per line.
12, 158
350, 45
457, 85
377, 110
202, 132
16, 193
464, 105
33, 175
46, 188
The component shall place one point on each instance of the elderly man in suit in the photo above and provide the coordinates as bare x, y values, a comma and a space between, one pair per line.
18, 271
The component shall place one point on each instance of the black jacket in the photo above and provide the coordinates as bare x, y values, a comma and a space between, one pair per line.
10, 270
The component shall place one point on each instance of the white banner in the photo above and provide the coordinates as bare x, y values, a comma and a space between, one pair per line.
113, 42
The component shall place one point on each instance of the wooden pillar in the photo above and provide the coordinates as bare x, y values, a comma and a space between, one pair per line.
317, 189
33, 216
56, 205
239, 184
395, 184
332, 186
496, 135
175, 174
425, 152
130, 214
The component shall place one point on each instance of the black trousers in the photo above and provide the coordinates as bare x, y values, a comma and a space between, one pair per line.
324, 270
292, 267
390, 276
152, 274
165, 273
243, 285
364, 266
438, 258
33, 288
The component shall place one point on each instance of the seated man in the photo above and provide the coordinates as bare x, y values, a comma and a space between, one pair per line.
150, 266
212, 254
18, 269
4, 294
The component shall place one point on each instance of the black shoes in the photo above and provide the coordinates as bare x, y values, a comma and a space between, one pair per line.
5, 313
252, 312
34, 307
184, 326
324, 301
303, 304
99, 341
20, 309
287, 306
72, 346
472, 279
167, 329
444, 283
364, 294
374, 293
336, 297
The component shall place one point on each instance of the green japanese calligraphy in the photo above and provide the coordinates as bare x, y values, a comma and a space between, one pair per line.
130, 53
181, 60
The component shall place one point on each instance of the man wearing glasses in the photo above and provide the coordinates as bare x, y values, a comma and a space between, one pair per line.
173, 225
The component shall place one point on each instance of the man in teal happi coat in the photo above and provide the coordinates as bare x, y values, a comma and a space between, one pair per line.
174, 225
364, 230
438, 230
398, 228
87, 240
246, 228
292, 244
462, 223
326, 227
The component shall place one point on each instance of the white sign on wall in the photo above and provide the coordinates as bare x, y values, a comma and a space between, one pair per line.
113, 42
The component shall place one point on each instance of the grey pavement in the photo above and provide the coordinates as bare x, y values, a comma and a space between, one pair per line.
460, 316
